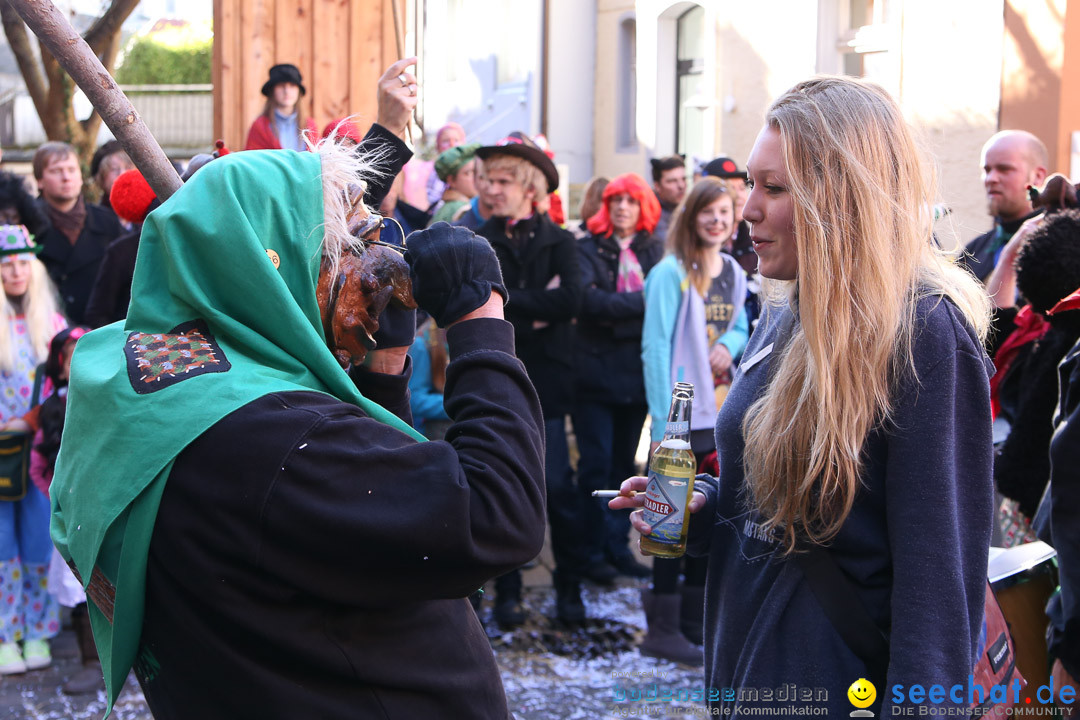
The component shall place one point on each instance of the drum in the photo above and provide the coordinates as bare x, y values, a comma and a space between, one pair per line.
1023, 578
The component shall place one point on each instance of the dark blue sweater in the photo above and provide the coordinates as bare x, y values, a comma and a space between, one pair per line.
915, 543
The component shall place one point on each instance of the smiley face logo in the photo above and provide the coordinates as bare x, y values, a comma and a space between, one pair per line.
862, 693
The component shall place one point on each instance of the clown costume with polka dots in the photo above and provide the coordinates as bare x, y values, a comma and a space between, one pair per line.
28, 613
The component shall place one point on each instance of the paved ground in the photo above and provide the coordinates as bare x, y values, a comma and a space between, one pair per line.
540, 684
37, 694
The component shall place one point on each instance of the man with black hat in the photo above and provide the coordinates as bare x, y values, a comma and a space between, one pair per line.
282, 119
540, 268
742, 249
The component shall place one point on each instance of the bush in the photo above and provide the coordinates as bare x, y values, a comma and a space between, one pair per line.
150, 62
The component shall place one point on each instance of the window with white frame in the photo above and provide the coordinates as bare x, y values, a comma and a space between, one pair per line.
626, 121
865, 37
689, 81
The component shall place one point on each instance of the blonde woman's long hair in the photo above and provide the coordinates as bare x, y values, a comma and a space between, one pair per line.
39, 308
682, 239
861, 192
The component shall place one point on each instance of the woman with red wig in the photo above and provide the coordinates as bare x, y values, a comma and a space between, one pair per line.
611, 406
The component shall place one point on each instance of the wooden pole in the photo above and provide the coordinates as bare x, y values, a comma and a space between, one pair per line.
399, 39
79, 61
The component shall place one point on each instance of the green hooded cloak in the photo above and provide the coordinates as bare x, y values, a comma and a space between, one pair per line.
214, 324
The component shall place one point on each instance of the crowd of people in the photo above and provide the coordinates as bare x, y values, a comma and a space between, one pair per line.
270, 376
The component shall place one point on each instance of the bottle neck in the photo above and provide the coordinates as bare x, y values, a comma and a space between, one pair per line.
678, 422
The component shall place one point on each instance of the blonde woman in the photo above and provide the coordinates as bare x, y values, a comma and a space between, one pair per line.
858, 424
28, 614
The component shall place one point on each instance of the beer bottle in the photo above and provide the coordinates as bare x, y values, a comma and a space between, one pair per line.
671, 481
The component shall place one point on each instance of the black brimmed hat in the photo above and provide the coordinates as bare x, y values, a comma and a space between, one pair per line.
520, 145
282, 74
723, 168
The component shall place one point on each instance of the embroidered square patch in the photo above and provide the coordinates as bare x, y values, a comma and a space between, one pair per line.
157, 360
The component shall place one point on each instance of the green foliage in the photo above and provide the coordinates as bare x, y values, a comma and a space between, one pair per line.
148, 61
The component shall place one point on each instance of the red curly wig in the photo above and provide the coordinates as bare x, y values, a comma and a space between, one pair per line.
635, 186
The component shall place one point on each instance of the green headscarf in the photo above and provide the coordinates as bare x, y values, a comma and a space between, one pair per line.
205, 255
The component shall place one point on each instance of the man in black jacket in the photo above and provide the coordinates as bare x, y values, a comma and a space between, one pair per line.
1011, 160
74, 239
540, 266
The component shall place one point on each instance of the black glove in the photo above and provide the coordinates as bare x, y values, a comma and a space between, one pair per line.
397, 327
453, 271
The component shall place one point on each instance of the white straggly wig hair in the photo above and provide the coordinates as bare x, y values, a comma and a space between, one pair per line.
344, 166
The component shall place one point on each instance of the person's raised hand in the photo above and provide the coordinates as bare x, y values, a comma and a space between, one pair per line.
397, 96
453, 272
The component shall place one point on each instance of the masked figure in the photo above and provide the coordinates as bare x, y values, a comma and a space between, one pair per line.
260, 531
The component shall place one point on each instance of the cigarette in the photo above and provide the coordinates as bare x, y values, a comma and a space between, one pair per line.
612, 493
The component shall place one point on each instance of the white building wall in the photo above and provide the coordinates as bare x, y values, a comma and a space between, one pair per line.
951, 90
612, 157
762, 50
464, 45
943, 65
571, 85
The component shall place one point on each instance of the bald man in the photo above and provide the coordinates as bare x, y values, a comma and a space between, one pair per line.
1011, 160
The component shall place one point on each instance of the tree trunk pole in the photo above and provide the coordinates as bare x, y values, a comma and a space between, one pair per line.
79, 61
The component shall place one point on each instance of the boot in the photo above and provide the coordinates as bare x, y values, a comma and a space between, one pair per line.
569, 607
508, 611
89, 678
664, 639
692, 613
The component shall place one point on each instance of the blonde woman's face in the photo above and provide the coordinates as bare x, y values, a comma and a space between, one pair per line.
15, 273
770, 209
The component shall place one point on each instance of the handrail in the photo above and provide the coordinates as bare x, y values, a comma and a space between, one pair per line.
200, 87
